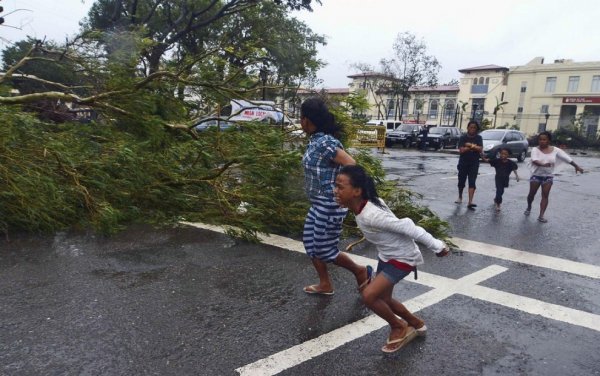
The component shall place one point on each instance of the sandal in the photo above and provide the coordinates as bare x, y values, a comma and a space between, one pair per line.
314, 290
543, 220
369, 278
393, 345
527, 212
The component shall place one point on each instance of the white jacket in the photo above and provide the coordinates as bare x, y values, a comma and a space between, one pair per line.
556, 157
395, 238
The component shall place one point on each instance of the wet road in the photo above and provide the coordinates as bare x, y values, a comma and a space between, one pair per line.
188, 301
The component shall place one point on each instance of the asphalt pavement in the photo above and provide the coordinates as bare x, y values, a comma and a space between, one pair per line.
519, 298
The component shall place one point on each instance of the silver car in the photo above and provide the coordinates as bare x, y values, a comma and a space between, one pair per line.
496, 139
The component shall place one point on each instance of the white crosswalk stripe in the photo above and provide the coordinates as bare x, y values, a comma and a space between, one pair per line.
442, 287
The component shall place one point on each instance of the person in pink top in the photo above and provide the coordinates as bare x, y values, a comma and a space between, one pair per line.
544, 159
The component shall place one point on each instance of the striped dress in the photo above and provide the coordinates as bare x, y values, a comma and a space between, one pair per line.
323, 223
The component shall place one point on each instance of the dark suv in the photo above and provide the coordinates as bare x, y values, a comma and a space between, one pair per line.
442, 137
496, 139
405, 135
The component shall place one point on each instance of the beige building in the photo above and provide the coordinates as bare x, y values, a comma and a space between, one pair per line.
481, 90
425, 105
538, 96
532, 97
549, 96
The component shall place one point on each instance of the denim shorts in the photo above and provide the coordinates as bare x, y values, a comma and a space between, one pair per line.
541, 179
392, 273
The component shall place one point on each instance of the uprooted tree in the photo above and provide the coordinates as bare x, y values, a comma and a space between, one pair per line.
140, 159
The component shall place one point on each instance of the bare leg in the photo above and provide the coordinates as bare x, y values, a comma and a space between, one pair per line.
359, 271
375, 296
545, 195
400, 310
471, 194
324, 280
460, 195
533, 188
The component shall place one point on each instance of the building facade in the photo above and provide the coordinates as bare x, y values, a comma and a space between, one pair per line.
425, 105
550, 96
481, 90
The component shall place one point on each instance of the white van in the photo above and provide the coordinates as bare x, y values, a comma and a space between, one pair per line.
390, 125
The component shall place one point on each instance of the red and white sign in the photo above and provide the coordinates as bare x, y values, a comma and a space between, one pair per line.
581, 100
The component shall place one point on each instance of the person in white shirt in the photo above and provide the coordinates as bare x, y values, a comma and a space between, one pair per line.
544, 159
397, 251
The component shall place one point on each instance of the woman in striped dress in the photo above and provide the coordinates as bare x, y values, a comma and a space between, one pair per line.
322, 160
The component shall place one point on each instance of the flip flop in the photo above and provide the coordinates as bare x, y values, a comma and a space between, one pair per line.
543, 220
313, 290
422, 331
369, 278
527, 212
399, 343
458, 202
471, 207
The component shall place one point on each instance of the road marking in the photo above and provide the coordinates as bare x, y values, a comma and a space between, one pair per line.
494, 251
543, 261
443, 287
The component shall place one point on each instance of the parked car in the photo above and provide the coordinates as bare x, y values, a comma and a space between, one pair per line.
496, 139
389, 125
214, 123
407, 135
441, 137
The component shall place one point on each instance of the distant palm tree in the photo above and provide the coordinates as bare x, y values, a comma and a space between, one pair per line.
499, 106
463, 109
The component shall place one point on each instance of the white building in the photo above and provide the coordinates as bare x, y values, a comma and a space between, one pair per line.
550, 96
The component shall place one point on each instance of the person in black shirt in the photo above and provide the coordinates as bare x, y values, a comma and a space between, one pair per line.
424, 134
470, 147
504, 167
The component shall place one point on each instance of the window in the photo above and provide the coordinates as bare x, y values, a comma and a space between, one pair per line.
405, 107
433, 109
523, 86
541, 127
481, 81
520, 110
449, 109
595, 84
544, 109
550, 84
391, 108
573, 84
418, 102
487, 80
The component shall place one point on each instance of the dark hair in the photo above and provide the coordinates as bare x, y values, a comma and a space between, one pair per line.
360, 179
507, 150
473, 122
317, 112
547, 134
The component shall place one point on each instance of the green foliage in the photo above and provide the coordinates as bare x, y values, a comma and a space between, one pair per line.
139, 162
101, 177
485, 124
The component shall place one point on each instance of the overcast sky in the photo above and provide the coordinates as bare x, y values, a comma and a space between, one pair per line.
460, 33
